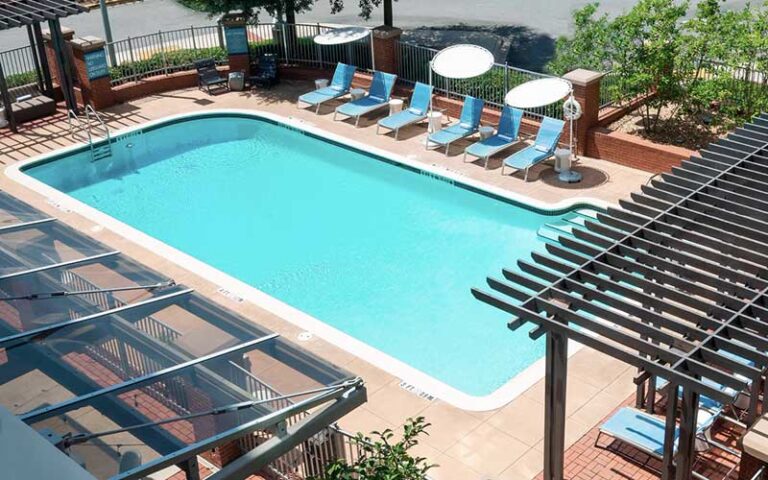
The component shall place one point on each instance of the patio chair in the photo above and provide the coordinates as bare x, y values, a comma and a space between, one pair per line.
645, 432
377, 97
416, 111
505, 137
208, 76
468, 124
340, 84
266, 72
543, 147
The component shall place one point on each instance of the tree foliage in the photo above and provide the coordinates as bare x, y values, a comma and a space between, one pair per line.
709, 64
280, 8
384, 457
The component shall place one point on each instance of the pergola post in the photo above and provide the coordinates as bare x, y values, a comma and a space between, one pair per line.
668, 456
7, 101
689, 409
35, 57
64, 68
44, 66
556, 375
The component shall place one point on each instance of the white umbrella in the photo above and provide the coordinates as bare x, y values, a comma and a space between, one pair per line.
339, 36
460, 62
543, 92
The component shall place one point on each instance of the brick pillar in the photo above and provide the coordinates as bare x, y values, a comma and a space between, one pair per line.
206, 426
50, 53
237, 42
92, 71
586, 91
385, 53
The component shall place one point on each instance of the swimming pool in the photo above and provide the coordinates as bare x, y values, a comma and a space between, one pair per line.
380, 254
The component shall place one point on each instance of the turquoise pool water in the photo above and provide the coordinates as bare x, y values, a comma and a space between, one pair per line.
381, 252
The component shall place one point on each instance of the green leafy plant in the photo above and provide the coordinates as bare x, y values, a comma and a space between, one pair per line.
19, 79
707, 68
383, 457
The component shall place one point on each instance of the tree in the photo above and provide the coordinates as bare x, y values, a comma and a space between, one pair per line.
383, 459
281, 9
284, 9
366, 9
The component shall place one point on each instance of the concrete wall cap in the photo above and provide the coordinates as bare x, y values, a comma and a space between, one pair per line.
583, 77
87, 44
66, 32
384, 32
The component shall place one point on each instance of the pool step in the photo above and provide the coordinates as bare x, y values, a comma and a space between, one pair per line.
574, 220
101, 152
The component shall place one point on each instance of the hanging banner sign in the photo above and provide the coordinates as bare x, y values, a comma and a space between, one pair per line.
237, 40
96, 64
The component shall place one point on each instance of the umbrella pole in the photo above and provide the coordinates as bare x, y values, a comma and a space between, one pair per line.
373, 54
429, 117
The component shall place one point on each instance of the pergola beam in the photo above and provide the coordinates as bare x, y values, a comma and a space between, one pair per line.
674, 282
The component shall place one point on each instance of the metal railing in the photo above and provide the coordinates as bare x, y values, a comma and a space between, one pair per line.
294, 44
107, 301
413, 66
163, 53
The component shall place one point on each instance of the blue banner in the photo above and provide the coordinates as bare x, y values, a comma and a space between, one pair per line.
237, 40
96, 64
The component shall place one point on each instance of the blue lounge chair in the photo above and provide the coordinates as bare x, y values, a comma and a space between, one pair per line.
646, 433
505, 137
639, 429
468, 124
378, 97
416, 111
342, 80
543, 147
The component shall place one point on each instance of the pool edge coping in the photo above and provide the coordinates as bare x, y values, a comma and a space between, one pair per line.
428, 384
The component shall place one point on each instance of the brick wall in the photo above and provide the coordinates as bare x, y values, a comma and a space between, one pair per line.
634, 151
159, 84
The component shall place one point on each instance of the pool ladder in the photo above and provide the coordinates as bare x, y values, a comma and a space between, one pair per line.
92, 129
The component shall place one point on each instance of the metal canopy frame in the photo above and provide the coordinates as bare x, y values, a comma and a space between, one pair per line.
332, 392
673, 282
30, 14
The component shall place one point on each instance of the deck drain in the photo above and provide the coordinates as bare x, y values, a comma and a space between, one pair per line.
57, 205
416, 390
305, 336
230, 295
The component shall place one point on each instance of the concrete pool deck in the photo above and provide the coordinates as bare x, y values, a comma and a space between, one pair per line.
501, 444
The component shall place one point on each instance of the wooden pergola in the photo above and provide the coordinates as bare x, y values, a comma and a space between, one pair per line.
673, 282
30, 14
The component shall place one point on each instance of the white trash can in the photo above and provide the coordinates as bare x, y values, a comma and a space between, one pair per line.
435, 121
395, 106
486, 132
357, 93
321, 83
236, 81
562, 160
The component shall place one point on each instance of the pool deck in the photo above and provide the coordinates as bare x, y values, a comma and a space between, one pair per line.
503, 444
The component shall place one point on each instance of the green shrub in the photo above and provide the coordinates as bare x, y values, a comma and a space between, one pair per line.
383, 457
19, 79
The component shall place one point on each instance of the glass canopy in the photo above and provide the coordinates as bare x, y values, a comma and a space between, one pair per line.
128, 372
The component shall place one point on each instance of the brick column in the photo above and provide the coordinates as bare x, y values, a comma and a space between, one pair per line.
586, 91
92, 72
50, 53
385, 53
237, 42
